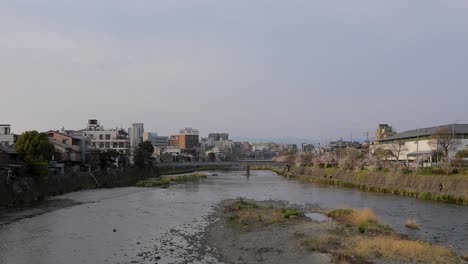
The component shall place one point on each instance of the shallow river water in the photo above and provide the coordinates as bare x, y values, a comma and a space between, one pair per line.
139, 225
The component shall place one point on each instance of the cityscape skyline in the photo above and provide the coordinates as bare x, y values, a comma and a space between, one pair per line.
310, 69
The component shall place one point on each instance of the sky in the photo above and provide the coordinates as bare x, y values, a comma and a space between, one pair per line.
254, 68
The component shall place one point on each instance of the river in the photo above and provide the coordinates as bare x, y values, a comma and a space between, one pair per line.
139, 225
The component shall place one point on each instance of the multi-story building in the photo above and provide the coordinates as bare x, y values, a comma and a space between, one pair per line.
161, 142
224, 145
150, 136
189, 131
103, 139
136, 134
246, 147
184, 141
307, 148
383, 131
6, 137
219, 136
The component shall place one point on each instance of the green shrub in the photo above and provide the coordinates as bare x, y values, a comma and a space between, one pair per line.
289, 212
153, 183
362, 228
425, 195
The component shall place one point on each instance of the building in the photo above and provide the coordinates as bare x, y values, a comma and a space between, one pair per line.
136, 134
150, 136
224, 145
189, 131
6, 137
246, 147
341, 144
70, 146
161, 142
10, 163
219, 136
384, 131
307, 148
429, 142
184, 141
104, 139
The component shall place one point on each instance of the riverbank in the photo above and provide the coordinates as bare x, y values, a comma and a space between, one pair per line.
438, 188
30, 191
249, 231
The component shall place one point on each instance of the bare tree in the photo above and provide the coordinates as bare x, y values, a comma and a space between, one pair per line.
444, 139
396, 148
307, 158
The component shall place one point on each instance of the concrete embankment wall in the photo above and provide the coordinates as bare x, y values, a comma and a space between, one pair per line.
454, 187
451, 184
28, 190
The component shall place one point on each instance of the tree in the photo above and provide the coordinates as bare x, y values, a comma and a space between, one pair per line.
307, 158
143, 155
211, 156
462, 154
444, 139
36, 149
396, 148
349, 158
104, 158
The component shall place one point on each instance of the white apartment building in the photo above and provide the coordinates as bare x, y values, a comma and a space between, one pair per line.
6, 137
103, 139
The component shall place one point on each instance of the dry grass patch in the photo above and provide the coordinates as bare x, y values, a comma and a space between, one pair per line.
365, 219
323, 243
246, 215
411, 223
354, 216
396, 248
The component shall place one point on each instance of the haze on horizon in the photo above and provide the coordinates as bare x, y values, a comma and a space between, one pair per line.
310, 69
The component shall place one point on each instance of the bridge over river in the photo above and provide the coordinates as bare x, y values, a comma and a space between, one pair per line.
242, 164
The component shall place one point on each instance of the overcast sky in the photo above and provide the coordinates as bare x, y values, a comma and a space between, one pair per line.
311, 69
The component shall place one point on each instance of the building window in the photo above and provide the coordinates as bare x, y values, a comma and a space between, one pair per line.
65, 141
114, 145
121, 145
101, 136
107, 145
108, 137
101, 145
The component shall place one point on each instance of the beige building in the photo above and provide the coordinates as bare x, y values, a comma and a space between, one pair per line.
428, 142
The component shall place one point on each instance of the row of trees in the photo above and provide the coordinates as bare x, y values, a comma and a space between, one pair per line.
387, 155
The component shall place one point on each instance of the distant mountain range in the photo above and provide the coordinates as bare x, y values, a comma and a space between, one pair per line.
287, 140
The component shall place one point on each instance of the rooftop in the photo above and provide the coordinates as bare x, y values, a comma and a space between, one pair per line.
422, 132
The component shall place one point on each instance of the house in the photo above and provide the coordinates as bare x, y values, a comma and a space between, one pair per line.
10, 163
69, 146
6, 137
